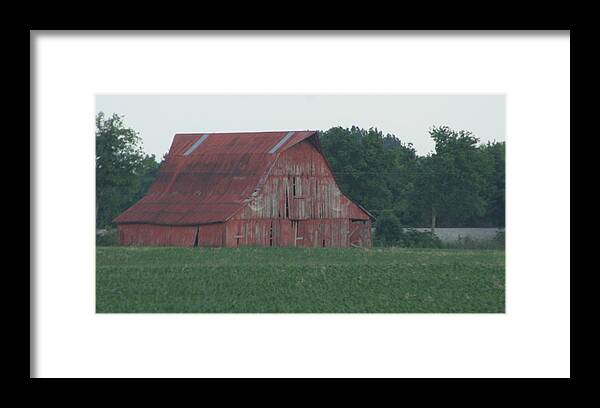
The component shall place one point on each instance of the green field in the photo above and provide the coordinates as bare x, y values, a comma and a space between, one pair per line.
294, 280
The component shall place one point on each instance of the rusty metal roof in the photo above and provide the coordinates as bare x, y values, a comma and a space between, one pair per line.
207, 177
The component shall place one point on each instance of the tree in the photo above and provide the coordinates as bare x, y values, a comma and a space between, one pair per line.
460, 184
123, 171
495, 154
451, 181
372, 169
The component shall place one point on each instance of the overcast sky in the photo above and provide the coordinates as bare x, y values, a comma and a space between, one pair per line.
158, 117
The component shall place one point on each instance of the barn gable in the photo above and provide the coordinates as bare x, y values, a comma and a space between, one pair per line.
300, 185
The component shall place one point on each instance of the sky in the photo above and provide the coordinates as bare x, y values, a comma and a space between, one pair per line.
409, 117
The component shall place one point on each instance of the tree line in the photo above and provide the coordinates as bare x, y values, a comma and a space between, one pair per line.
460, 184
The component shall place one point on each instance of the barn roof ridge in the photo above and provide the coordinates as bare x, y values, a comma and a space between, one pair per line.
191, 144
243, 132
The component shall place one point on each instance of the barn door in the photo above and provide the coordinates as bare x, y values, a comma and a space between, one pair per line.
286, 233
358, 233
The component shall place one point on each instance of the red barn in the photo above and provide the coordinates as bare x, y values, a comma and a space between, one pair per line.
236, 189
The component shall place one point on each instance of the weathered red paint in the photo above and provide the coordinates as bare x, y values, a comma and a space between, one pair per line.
157, 235
323, 233
300, 186
211, 235
360, 233
231, 191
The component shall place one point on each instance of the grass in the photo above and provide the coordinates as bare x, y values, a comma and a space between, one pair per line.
295, 280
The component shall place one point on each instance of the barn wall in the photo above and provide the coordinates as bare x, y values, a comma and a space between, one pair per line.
300, 186
259, 232
156, 235
211, 235
360, 233
323, 233
333, 232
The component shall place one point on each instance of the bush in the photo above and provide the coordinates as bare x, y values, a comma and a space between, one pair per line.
107, 238
500, 238
469, 243
388, 231
411, 238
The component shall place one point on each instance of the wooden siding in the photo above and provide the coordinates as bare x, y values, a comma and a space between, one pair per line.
334, 232
211, 235
157, 235
259, 232
300, 186
323, 233
360, 233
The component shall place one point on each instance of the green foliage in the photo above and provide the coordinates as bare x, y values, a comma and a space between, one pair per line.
388, 231
123, 171
452, 179
371, 168
411, 238
461, 183
108, 238
500, 239
471, 243
298, 280
494, 189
